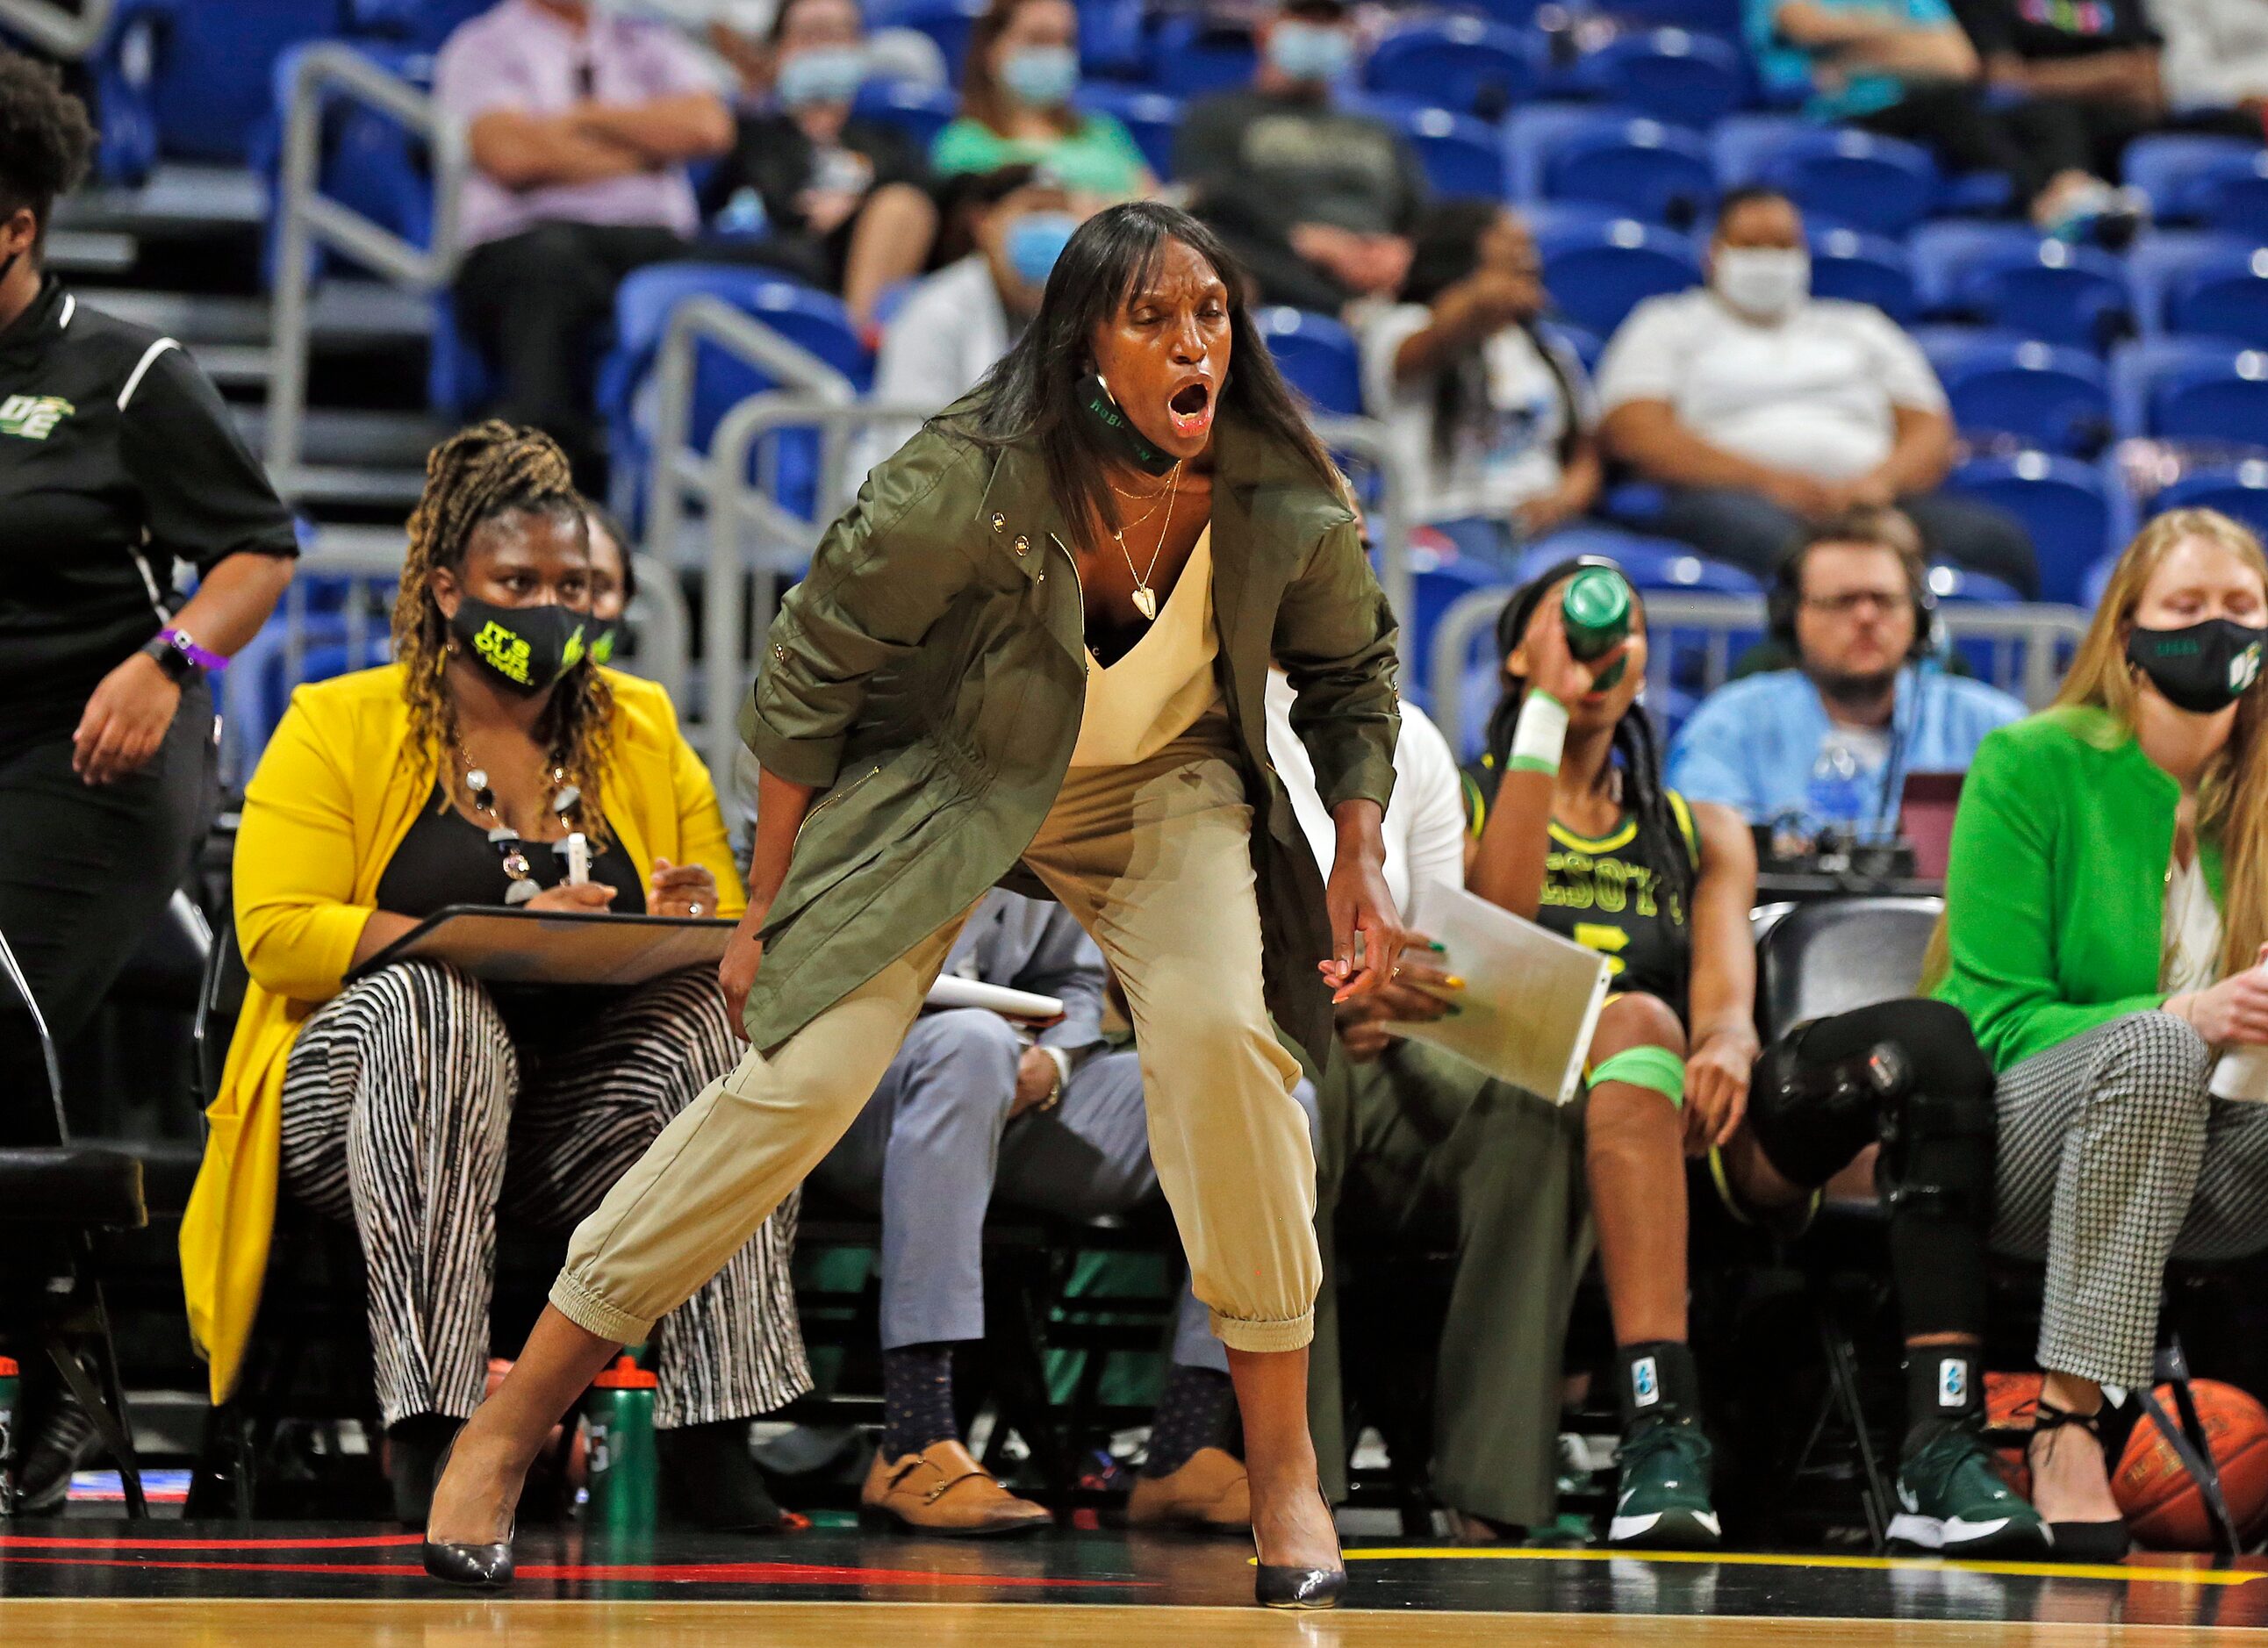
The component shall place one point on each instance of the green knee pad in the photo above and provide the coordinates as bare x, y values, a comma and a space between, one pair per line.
1655, 1068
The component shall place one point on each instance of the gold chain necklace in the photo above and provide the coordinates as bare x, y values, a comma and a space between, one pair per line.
1146, 598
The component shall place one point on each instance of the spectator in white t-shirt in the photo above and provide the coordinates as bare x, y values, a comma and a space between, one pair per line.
955, 325
2215, 54
1491, 417
1759, 407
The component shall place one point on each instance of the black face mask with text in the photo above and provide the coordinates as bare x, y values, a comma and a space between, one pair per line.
526, 648
2200, 668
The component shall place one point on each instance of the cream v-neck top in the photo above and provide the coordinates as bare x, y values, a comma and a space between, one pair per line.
1156, 692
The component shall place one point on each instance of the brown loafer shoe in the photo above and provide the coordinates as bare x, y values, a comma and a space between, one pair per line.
942, 1490
1209, 1493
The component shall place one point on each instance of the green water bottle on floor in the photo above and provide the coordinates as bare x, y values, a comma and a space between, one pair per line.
1595, 610
618, 1417
11, 1391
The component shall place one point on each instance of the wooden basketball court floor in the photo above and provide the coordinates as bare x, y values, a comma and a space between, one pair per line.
191, 1586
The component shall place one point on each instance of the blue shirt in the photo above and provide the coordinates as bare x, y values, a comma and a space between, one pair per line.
1754, 744
1785, 68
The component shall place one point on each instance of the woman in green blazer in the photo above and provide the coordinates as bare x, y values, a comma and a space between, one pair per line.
1036, 649
2106, 909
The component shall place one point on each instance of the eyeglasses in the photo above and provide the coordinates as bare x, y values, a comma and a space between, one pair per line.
1849, 602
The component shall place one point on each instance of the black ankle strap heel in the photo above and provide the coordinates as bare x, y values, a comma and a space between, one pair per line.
2080, 1541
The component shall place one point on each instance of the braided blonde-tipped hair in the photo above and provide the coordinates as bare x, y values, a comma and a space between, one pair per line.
477, 474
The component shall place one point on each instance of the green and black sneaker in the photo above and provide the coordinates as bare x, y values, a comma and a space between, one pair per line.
1952, 1500
1662, 1501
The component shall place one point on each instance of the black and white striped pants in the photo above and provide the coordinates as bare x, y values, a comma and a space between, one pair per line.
410, 1107
2113, 1157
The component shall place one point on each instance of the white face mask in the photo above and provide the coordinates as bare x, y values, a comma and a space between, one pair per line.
1768, 282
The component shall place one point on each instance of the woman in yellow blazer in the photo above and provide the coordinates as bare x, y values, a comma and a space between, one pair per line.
415, 1100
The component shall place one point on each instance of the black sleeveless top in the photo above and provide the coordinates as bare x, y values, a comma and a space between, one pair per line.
446, 859
1605, 895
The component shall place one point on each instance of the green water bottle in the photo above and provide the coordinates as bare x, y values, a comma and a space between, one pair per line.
12, 1391
618, 1417
1595, 610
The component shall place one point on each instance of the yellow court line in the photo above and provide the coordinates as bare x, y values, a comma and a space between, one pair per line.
1761, 1559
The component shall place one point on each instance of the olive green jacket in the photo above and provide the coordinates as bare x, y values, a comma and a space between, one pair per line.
929, 673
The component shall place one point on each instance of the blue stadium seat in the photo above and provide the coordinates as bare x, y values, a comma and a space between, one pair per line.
2197, 180
1863, 269
1597, 273
1113, 40
2001, 383
1837, 174
1461, 155
1189, 59
1654, 564
2005, 275
920, 112
422, 23
1632, 162
813, 321
209, 83
2063, 503
1671, 73
2195, 389
1150, 117
1458, 63
1950, 583
947, 22
1720, 17
2201, 285
1317, 356
2240, 491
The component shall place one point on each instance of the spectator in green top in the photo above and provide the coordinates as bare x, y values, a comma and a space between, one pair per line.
1016, 108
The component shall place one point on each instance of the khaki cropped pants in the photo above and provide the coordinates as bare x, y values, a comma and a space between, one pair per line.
1154, 861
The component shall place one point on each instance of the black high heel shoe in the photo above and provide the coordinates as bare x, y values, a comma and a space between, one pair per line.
1288, 1587
2080, 1541
468, 1564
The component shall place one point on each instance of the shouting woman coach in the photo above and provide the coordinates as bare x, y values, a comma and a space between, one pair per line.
117, 459
1040, 642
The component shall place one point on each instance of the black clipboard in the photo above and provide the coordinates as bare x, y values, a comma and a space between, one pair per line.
501, 946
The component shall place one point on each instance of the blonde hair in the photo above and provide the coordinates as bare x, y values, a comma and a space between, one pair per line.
471, 478
2233, 791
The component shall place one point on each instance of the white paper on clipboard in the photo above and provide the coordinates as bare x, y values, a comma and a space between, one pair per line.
950, 992
1531, 998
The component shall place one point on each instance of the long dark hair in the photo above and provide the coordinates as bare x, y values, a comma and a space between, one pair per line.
1444, 250
1635, 749
1032, 394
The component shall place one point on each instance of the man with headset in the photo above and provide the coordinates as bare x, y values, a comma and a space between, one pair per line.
1829, 744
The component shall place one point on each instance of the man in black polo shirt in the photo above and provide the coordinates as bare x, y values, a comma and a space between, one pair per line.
1317, 201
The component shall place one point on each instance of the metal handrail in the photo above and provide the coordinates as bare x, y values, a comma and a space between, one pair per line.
678, 470
2039, 627
310, 217
56, 31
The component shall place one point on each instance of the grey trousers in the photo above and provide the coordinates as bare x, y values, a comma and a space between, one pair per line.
2113, 1158
935, 1145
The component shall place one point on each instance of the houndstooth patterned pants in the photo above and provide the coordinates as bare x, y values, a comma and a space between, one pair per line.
412, 1108
2112, 1158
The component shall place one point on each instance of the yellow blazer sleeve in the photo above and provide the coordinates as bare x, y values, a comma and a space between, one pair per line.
701, 832
296, 920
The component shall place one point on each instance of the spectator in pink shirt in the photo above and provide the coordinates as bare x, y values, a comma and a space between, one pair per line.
579, 123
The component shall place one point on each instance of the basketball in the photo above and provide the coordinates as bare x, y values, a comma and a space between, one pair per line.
2011, 1400
2162, 1504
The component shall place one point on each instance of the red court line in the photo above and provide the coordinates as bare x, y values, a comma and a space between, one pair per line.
58, 1541
635, 1573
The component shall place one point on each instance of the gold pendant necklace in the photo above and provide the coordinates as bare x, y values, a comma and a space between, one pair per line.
1146, 598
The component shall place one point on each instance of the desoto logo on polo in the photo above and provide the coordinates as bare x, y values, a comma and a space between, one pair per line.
34, 418
504, 650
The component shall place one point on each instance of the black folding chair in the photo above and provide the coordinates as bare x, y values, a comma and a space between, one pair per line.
56, 1202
